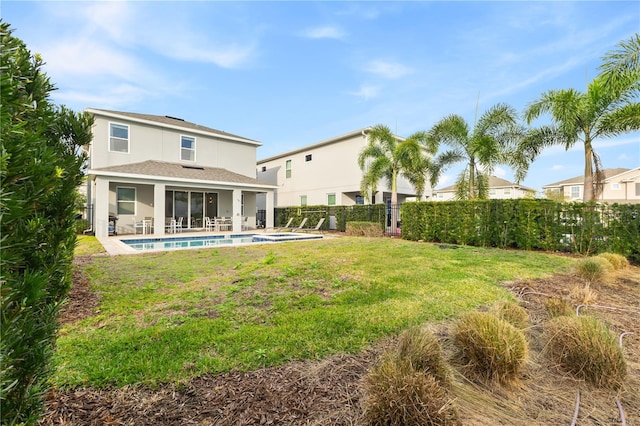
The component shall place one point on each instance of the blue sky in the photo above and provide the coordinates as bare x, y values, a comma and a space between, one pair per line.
290, 74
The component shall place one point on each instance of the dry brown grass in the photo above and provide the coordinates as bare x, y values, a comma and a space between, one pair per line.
512, 313
421, 349
618, 261
399, 395
586, 347
557, 307
492, 348
594, 269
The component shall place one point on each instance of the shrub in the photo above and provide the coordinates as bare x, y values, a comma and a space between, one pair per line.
618, 261
421, 350
593, 269
512, 313
585, 347
557, 307
400, 395
495, 349
364, 229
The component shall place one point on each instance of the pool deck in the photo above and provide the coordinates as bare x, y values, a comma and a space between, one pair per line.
114, 245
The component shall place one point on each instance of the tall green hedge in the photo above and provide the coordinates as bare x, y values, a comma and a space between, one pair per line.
584, 228
40, 170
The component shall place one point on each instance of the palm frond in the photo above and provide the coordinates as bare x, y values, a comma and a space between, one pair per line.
621, 64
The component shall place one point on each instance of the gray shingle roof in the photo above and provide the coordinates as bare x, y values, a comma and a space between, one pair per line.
580, 179
182, 171
172, 121
494, 182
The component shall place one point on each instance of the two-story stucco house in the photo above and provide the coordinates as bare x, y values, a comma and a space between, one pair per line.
620, 186
498, 189
325, 173
162, 168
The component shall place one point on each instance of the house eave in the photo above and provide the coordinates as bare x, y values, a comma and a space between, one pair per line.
176, 180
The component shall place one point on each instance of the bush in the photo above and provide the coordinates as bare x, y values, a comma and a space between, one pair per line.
593, 269
618, 261
585, 347
421, 350
40, 171
558, 307
512, 313
400, 395
364, 229
495, 349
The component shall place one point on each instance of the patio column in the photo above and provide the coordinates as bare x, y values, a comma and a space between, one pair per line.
158, 208
236, 218
269, 197
101, 208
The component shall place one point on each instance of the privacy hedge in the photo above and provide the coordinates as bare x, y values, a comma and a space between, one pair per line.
40, 172
312, 213
584, 228
343, 214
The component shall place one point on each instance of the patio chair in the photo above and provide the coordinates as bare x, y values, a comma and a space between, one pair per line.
287, 226
301, 226
315, 228
208, 224
139, 224
179, 224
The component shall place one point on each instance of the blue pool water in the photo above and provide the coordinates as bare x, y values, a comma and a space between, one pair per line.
169, 243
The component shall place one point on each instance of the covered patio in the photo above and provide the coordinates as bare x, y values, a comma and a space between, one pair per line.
157, 198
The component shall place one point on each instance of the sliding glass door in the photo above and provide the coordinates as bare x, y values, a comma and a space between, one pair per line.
190, 205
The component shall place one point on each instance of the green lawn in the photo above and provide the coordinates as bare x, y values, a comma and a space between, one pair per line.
165, 317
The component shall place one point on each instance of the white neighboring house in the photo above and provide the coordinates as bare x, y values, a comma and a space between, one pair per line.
621, 186
160, 167
498, 189
325, 173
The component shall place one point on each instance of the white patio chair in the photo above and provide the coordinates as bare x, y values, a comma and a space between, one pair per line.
139, 224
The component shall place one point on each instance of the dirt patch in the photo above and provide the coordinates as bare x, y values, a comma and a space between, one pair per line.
81, 301
329, 392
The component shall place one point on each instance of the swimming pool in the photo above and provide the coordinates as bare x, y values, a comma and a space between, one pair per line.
201, 241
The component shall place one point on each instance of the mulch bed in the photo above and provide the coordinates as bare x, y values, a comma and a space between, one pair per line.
330, 392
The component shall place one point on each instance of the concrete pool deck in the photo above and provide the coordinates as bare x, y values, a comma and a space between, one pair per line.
114, 245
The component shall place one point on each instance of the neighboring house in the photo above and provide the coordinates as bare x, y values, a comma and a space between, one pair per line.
325, 173
498, 189
160, 167
620, 186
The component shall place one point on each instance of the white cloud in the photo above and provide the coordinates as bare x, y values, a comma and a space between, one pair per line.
324, 32
499, 172
390, 70
367, 92
557, 167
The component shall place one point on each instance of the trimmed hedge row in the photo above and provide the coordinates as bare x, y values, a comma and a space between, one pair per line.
584, 228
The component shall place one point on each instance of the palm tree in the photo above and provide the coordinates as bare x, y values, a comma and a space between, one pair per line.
489, 143
607, 109
388, 157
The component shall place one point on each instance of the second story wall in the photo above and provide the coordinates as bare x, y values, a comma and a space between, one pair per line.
320, 171
120, 140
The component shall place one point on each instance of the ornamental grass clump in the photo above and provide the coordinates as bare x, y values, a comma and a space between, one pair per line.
593, 269
421, 350
400, 395
493, 348
586, 347
557, 307
512, 313
618, 261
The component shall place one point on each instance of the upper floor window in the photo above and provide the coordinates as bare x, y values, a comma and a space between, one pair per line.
187, 148
331, 199
126, 200
575, 192
118, 137
307, 157
303, 200
287, 169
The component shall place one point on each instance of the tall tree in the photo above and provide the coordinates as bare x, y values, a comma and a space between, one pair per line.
40, 171
489, 143
607, 109
387, 157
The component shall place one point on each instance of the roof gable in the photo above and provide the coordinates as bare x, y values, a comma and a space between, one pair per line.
579, 180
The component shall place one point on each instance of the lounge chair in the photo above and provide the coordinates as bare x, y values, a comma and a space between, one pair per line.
287, 226
315, 228
301, 226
